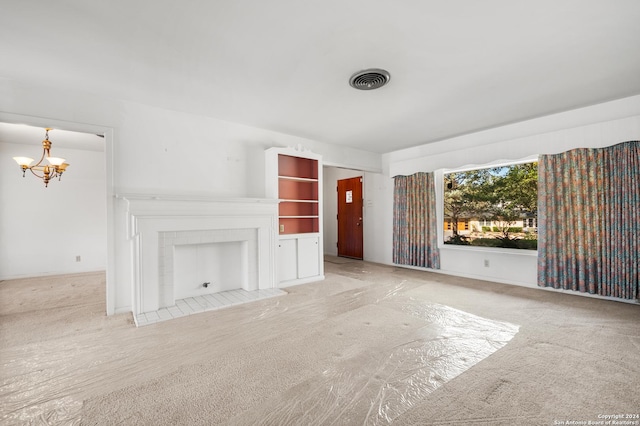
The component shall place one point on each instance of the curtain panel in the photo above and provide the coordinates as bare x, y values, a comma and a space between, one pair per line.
589, 220
415, 240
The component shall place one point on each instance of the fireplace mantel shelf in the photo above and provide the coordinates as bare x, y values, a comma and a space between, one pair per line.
192, 198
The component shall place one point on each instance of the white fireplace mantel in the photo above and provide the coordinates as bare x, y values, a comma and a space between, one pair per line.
156, 220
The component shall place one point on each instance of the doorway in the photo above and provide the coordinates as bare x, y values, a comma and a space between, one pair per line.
350, 218
86, 231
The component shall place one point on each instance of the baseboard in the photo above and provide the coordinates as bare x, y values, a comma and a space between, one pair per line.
520, 284
49, 274
123, 310
301, 281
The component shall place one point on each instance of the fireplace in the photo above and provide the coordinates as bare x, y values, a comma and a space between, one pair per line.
233, 241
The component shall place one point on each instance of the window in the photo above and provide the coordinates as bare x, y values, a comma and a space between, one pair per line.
492, 207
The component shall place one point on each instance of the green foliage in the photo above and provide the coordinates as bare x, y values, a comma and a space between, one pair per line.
501, 242
507, 242
456, 200
460, 240
527, 244
501, 194
486, 242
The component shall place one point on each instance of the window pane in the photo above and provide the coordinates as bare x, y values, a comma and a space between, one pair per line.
492, 207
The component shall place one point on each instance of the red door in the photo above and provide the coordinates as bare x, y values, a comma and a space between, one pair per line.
350, 217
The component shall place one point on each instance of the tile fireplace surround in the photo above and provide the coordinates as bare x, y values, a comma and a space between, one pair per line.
157, 224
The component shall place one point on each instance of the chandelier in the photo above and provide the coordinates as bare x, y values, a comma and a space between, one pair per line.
46, 172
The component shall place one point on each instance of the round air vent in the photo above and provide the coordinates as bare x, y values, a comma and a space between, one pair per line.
369, 79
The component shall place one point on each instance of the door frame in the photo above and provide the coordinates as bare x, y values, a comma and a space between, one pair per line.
108, 133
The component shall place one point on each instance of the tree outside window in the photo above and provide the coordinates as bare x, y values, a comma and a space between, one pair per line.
503, 197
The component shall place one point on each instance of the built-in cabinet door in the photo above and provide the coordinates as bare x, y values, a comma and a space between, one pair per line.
308, 253
287, 265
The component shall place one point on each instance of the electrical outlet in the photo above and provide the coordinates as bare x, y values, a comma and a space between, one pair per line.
78, 258
486, 263
281, 228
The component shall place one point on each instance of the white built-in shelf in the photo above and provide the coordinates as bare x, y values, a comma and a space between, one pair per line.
299, 179
294, 178
297, 201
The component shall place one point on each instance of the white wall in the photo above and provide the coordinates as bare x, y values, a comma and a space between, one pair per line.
378, 210
596, 126
159, 151
169, 152
42, 230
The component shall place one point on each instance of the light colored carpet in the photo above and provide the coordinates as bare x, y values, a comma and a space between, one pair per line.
333, 371
371, 344
339, 260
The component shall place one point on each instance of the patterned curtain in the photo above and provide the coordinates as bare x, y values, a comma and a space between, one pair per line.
589, 220
415, 239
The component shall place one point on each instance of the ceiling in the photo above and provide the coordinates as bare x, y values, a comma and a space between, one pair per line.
29, 135
284, 65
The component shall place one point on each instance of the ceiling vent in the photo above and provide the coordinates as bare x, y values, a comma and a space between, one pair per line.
370, 79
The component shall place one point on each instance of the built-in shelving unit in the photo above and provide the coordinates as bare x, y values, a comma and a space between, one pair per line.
295, 178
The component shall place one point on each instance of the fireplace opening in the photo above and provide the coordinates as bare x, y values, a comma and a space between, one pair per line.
222, 265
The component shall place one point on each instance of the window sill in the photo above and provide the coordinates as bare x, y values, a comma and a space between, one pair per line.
516, 252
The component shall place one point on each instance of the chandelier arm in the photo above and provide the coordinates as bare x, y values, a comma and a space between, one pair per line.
44, 151
35, 174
